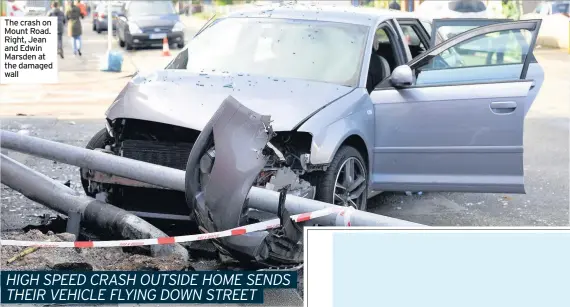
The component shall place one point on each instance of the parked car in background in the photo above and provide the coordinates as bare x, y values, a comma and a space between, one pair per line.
453, 9
100, 16
37, 7
550, 8
356, 107
147, 23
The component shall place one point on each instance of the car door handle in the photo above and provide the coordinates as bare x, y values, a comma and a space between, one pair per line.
532, 85
503, 106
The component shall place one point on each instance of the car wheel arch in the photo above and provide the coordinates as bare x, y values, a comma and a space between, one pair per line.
358, 143
323, 151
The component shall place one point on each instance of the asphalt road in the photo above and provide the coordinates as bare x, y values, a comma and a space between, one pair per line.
546, 142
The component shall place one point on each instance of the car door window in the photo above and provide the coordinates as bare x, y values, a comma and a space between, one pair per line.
429, 30
445, 29
493, 56
383, 46
427, 27
413, 40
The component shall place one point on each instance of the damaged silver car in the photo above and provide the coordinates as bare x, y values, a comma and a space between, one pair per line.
361, 101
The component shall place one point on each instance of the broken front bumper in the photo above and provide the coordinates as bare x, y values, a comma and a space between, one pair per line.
239, 136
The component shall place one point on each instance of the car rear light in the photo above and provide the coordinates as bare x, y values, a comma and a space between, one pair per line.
103, 15
15, 8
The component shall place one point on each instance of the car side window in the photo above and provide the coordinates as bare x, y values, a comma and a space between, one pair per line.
493, 56
383, 59
427, 27
413, 40
384, 45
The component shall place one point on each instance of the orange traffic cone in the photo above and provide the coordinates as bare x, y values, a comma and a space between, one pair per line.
165, 47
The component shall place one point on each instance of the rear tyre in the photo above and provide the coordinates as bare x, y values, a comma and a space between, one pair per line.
99, 30
128, 46
121, 42
98, 141
345, 182
94, 27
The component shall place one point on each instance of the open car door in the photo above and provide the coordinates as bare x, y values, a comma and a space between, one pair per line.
456, 122
444, 29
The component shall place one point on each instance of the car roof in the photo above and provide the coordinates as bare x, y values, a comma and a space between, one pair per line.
331, 13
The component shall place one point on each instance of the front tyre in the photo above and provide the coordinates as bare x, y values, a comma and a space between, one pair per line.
128, 45
345, 182
98, 141
121, 41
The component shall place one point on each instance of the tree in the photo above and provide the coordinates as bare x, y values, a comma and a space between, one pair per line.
511, 9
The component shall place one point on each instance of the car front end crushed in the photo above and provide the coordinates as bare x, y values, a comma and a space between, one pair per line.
317, 110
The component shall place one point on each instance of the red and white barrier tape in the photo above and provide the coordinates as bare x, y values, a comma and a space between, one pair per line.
346, 214
171, 240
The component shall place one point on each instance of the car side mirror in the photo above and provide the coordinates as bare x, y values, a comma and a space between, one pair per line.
402, 76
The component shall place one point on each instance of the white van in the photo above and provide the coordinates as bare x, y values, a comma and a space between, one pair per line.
436, 9
36, 7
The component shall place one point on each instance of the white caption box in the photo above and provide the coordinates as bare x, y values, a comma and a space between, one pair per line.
28, 50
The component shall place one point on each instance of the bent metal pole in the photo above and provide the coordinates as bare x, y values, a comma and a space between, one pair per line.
96, 160
103, 216
258, 198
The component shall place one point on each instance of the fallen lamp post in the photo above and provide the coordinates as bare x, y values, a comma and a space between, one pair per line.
170, 178
218, 195
80, 208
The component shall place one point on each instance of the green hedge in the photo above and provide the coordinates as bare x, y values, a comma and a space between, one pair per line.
223, 2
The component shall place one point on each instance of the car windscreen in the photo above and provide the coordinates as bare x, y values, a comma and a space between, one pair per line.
278, 48
467, 6
560, 8
145, 8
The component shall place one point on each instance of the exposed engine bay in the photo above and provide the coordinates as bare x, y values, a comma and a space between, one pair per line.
167, 145
284, 168
236, 150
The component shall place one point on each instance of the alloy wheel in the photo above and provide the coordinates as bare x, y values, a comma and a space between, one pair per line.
350, 184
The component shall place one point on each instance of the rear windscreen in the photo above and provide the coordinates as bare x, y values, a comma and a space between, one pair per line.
467, 6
